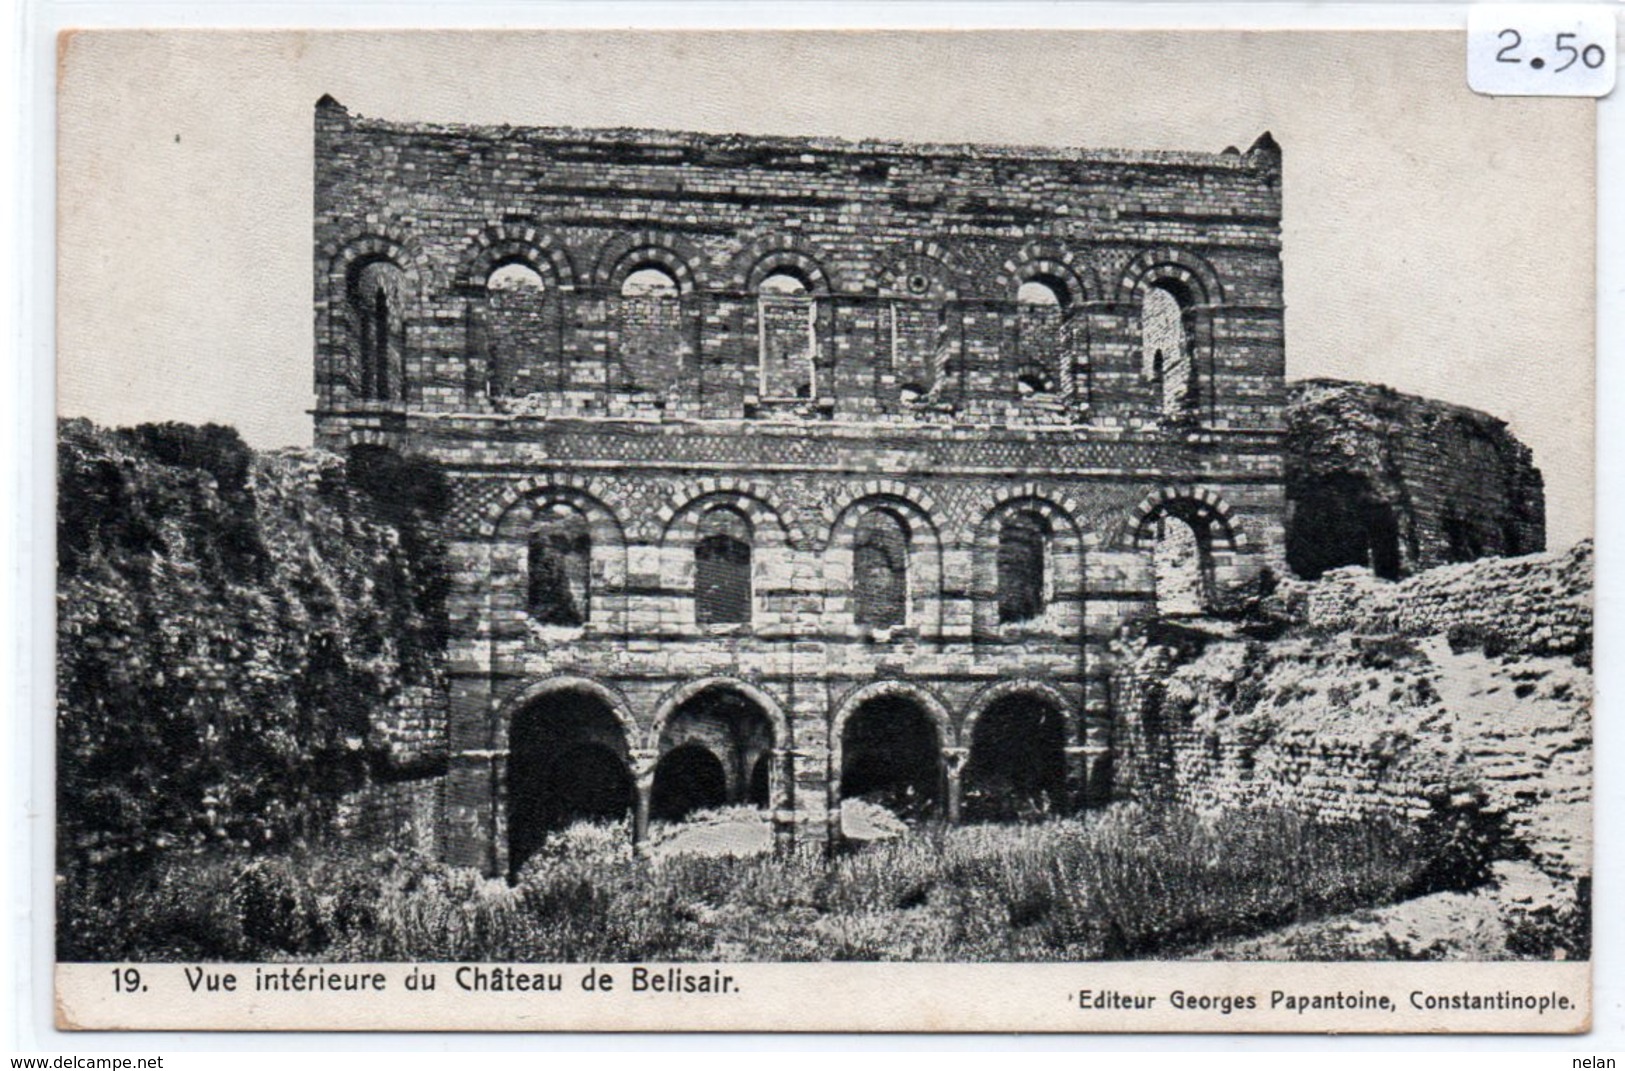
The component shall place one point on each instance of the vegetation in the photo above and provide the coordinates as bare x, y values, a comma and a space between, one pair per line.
1126, 882
229, 627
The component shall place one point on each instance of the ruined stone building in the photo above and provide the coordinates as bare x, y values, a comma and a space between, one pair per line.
788, 470
1400, 484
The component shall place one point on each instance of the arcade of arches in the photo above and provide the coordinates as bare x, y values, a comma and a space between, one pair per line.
876, 432
571, 757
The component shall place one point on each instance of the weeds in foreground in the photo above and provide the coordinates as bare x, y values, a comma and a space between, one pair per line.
1126, 882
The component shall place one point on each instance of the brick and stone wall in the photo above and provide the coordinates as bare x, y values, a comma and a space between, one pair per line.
404, 815
1465, 688
797, 336
1401, 484
1537, 604
912, 257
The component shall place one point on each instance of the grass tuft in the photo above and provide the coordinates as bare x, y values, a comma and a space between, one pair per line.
1126, 882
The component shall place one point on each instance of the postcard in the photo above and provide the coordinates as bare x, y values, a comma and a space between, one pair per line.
904, 531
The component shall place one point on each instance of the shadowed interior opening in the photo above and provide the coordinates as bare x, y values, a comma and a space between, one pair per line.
735, 739
1337, 521
687, 779
890, 754
1017, 763
567, 761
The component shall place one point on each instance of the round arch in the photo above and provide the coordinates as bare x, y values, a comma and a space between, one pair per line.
1201, 508
565, 682
541, 490
994, 693
505, 583
900, 749
336, 329
673, 700
993, 507
1016, 736
1063, 560
687, 778
395, 246
912, 500
671, 253
1170, 264
1052, 263
923, 578
516, 510
910, 691
688, 501
919, 271
779, 252
507, 243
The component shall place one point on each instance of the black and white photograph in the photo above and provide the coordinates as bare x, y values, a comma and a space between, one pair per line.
538, 507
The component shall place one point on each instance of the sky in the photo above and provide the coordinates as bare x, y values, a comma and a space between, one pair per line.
1434, 240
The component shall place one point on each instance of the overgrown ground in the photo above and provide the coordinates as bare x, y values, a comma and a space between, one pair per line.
1467, 688
231, 627
1124, 883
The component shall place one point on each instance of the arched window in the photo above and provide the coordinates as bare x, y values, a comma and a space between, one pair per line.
722, 584
1041, 293
650, 282
1166, 346
784, 283
515, 276
650, 335
517, 336
1041, 323
786, 320
1023, 541
560, 567
1183, 566
376, 298
880, 570
922, 326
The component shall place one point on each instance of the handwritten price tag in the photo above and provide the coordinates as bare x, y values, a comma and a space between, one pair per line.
1540, 50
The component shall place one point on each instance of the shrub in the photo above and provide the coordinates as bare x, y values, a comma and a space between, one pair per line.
1554, 931
1129, 881
1467, 637
1386, 652
231, 626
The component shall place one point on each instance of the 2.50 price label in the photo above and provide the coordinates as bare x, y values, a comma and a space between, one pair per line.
1540, 50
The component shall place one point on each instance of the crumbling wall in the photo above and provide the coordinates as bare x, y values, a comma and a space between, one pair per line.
1464, 691
1400, 484
808, 332
244, 640
912, 258
402, 813
1538, 604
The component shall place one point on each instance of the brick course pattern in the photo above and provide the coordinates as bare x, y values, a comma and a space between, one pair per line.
1465, 687
796, 335
1402, 484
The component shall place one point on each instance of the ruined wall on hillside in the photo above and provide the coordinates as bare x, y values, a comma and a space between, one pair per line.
1399, 483
250, 645
1465, 690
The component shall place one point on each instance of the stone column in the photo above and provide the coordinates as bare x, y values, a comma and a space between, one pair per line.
643, 775
1088, 768
832, 790
781, 775
953, 764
